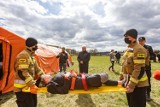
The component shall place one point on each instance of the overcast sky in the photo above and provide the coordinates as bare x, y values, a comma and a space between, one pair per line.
97, 24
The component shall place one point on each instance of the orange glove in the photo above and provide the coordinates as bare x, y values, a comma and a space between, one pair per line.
33, 89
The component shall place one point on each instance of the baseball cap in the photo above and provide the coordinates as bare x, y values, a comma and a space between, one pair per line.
141, 38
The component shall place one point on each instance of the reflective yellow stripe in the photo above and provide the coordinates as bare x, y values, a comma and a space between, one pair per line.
143, 78
23, 66
129, 54
28, 79
133, 80
40, 72
22, 60
19, 85
136, 81
139, 61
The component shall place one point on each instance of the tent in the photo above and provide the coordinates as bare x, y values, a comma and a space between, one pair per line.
46, 58
10, 45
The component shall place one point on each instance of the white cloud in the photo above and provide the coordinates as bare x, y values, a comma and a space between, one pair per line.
98, 24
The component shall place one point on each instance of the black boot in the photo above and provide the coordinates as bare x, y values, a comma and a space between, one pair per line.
148, 98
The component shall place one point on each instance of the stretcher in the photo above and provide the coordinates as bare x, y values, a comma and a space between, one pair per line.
95, 90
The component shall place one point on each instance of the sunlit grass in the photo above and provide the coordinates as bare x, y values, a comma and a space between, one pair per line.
112, 99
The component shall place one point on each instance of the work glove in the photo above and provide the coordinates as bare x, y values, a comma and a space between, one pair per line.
33, 89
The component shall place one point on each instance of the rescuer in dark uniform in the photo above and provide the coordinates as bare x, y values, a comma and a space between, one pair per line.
142, 41
63, 56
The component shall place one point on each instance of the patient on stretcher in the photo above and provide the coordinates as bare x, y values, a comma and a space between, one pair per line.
61, 83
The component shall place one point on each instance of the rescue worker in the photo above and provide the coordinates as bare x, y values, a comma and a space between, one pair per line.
26, 70
118, 57
133, 69
142, 41
61, 83
83, 59
112, 59
63, 56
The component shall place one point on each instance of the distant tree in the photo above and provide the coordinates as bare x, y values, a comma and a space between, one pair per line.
93, 51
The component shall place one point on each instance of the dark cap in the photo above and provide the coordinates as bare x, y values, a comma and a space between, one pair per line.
141, 38
131, 32
31, 42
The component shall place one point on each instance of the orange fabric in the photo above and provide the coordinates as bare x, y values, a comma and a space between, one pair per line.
46, 58
15, 44
34, 89
12, 44
73, 81
84, 82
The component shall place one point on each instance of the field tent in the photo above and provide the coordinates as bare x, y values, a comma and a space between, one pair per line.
10, 45
46, 58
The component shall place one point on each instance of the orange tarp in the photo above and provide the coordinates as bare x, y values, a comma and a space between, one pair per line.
12, 44
46, 58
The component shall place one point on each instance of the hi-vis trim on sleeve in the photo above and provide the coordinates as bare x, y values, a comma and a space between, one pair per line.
22, 60
139, 61
40, 72
129, 53
23, 66
144, 78
19, 85
133, 80
140, 55
28, 79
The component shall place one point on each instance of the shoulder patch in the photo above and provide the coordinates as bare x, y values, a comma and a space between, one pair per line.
140, 56
22, 60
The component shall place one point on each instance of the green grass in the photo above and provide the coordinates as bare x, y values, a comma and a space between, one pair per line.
111, 99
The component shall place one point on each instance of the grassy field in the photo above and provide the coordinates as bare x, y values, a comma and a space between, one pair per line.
111, 99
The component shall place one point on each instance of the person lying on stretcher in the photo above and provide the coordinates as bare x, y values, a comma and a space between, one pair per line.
61, 83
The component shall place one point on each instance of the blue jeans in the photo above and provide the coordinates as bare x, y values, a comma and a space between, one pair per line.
62, 66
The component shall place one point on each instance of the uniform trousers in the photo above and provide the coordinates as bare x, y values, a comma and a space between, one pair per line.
112, 66
137, 98
25, 99
62, 66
